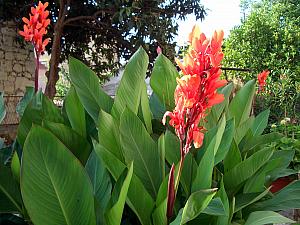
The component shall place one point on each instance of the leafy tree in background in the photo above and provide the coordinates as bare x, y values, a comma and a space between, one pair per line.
269, 38
101, 32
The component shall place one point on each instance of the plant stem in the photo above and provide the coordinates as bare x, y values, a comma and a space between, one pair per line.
37, 67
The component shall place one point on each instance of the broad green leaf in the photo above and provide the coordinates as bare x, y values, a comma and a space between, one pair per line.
139, 147
160, 213
157, 108
242, 130
53, 182
286, 198
172, 147
114, 215
162, 153
88, 89
10, 195
261, 140
130, 88
29, 93
225, 142
163, 80
196, 203
15, 166
257, 182
223, 220
100, 180
246, 199
247, 168
232, 158
147, 115
203, 178
188, 174
178, 218
142, 203
78, 145
266, 217
215, 207
240, 105
260, 123
2, 108
216, 111
109, 134
40, 108
75, 112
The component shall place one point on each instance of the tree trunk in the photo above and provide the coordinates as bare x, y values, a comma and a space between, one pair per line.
52, 74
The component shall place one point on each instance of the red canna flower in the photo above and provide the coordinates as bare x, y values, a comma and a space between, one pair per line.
196, 90
262, 77
35, 27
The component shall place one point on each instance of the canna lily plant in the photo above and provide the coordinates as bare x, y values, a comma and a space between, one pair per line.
99, 160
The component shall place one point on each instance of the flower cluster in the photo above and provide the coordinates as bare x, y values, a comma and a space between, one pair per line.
196, 90
262, 77
35, 27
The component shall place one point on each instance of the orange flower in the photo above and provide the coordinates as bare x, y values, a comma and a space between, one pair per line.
35, 27
262, 77
196, 90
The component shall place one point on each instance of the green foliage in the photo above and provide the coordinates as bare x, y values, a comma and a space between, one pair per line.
69, 175
268, 38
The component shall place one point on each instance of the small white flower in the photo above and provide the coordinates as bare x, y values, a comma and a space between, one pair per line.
287, 119
283, 122
273, 125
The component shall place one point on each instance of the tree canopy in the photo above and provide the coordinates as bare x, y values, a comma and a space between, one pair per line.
269, 38
95, 30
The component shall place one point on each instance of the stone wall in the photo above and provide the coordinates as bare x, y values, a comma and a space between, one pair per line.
16, 69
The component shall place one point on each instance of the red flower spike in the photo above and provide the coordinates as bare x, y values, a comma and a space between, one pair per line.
35, 27
196, 90
262, 77
171, 193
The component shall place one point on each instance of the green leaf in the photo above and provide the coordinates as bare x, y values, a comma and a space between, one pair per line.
225, 142
15, 166
100, 180
196, 203
147, 115
53, 182
172, 147
223, 220
78, 145
109, 134
88, 89
40, 108
266, 217
157, 108
244, 200
247, 168
29, 93
242, 130
160, 213
260, 123
75, 112
141, 203
286, 198
232, 158
203, 178
261, 140
10, 195
139, 147
163, 80
114, 214
240, 105
162, 153
130, 88
2, 108
215, 208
